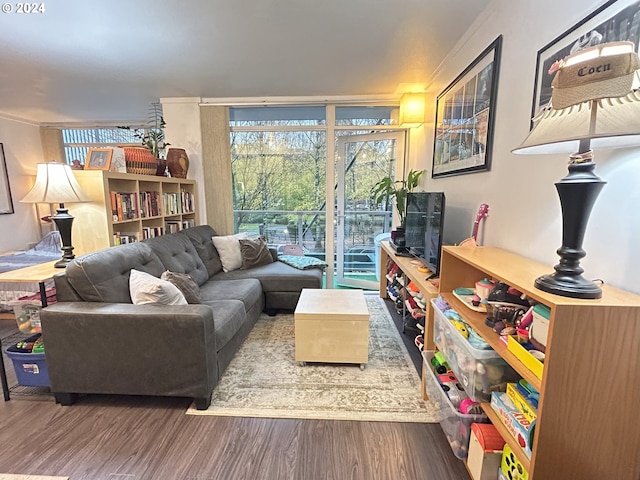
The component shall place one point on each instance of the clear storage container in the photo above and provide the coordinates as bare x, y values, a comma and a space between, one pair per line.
455, 425
479, 371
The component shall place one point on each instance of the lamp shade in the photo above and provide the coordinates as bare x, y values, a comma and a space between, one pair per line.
55, 183
412, 110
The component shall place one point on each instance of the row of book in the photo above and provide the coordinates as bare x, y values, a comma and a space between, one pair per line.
129, 206
170, 226
177, 203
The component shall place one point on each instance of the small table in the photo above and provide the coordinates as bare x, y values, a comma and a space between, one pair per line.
34, 274
332, 326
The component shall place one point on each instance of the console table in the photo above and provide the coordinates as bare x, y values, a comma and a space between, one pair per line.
34, 274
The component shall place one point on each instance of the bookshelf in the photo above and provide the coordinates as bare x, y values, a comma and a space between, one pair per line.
128, 207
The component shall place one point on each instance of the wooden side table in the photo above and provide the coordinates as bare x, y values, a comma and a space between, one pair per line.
34, 274
332, 326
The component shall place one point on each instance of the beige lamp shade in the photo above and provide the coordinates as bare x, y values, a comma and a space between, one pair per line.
412, 110
55, 183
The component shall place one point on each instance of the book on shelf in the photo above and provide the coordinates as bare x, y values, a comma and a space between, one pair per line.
188, 223
150, 232
121, 238
124, 206
149, 205
172, 226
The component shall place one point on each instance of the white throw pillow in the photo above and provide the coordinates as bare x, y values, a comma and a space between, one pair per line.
228, 248
145, 288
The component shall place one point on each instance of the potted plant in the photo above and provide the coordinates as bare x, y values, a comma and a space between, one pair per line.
387, 188
152, 137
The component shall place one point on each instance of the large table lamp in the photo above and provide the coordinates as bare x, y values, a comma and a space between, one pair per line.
595, 103
55, 183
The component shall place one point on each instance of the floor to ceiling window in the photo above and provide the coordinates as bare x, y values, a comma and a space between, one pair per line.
281, 184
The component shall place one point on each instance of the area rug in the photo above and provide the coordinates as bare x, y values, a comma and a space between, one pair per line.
10, 476
263, 379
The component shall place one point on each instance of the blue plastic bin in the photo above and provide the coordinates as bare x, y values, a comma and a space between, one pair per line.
31, 368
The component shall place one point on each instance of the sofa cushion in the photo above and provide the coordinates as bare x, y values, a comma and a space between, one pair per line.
185, 284
254, 253
200, 237
277, 277
177, 254
228, 317
103, 276
248, 291
145, 288
228, 247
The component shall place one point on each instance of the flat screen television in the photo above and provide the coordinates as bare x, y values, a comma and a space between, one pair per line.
424, 225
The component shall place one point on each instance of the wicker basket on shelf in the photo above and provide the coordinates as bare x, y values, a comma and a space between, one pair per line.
140, 160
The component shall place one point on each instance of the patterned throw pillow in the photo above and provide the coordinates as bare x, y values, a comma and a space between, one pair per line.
185, 284
254, 253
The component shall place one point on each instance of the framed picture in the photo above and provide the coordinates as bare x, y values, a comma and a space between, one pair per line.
98, 159
614, 21
465, 113
6, 202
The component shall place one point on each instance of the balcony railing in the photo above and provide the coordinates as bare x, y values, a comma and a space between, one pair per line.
307, 229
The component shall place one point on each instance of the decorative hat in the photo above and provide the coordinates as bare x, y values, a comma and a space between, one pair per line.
602, 71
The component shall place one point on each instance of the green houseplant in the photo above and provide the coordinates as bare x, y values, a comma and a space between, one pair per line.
152, 135
387, 188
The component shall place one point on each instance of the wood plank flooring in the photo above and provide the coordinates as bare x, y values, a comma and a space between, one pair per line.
151, 438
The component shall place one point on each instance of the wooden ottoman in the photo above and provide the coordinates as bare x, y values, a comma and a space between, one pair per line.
332, 326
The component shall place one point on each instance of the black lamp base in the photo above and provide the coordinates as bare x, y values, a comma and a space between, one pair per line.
568, 286
64, 221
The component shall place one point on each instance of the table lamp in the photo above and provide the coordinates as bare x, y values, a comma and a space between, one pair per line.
595, 103
55, 183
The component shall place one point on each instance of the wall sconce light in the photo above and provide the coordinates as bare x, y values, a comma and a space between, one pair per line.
411, 110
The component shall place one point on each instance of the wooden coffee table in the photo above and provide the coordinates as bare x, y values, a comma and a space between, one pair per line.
332, 326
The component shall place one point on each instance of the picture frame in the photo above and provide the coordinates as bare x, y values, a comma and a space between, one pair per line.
98, 159
465, 117
6, 201
613, 21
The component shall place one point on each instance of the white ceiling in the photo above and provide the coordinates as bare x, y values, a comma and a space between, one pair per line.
100, 61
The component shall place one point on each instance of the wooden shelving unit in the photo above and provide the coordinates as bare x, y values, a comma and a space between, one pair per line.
586, 426
428, 290
94, 226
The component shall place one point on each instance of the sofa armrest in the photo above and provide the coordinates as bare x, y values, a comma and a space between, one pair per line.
118, 348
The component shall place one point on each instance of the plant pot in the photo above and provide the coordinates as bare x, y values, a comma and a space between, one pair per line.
177, 162
161, 170
397, 236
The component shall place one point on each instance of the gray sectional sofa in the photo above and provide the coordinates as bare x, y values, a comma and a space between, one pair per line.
97, 341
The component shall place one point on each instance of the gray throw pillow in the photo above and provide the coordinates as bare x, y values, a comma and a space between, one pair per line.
185, 284
254, 253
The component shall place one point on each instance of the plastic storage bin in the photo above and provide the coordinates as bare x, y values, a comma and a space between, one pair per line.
479, 371
31, 368
455, 425
27, 311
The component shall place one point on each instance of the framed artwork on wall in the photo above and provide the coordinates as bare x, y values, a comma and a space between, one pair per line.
613, 21
465, 115
6, 202
98, 159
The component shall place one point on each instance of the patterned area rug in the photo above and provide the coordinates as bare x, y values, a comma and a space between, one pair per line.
10, 476
263, 379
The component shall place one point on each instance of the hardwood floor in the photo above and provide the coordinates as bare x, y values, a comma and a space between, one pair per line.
151, 438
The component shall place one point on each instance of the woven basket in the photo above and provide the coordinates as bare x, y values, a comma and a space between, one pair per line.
140, 160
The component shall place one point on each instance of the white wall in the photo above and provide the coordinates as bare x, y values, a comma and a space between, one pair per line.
524, 213
23, 150
182, 118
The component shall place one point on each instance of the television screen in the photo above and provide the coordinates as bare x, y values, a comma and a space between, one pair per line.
423, 230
